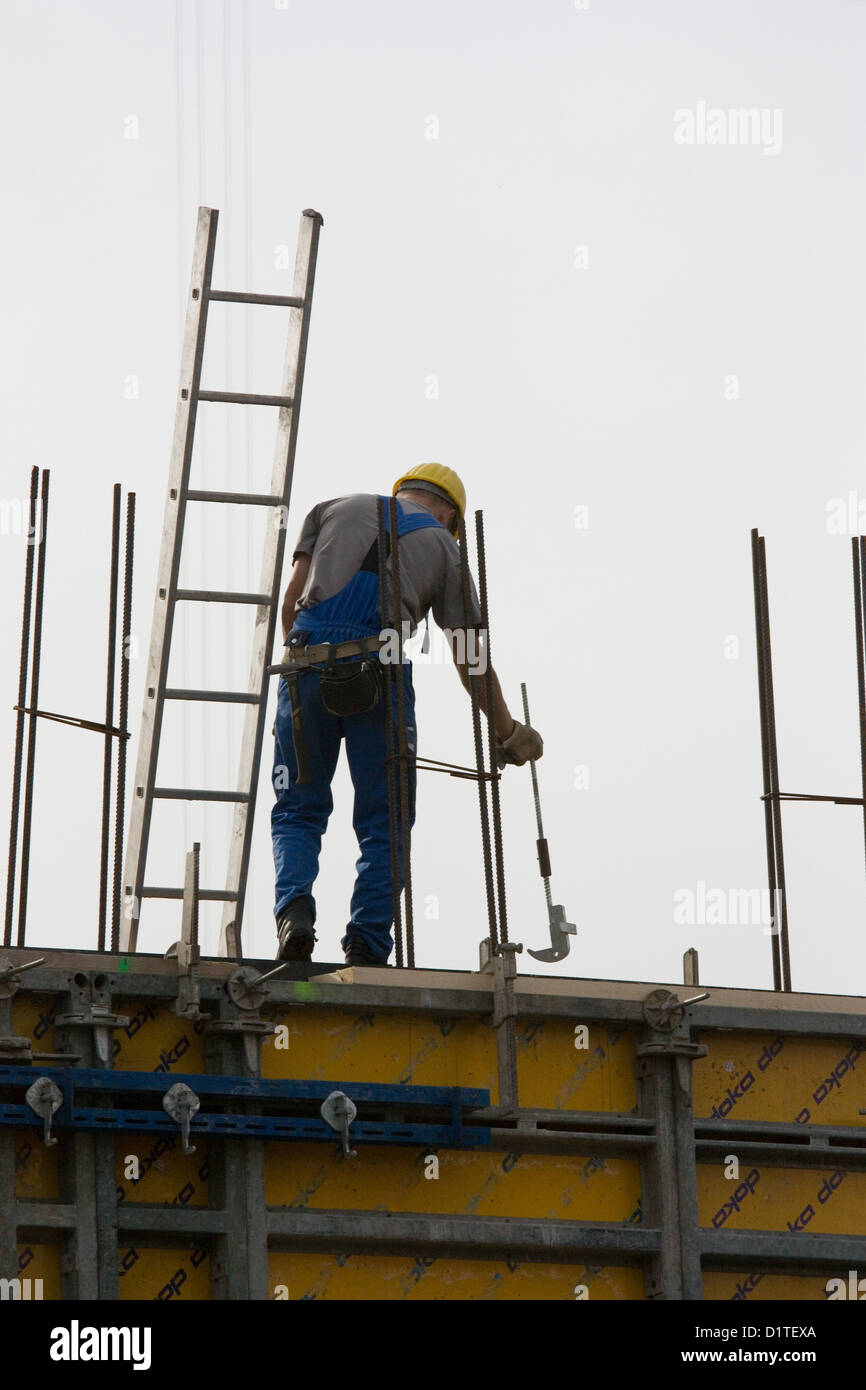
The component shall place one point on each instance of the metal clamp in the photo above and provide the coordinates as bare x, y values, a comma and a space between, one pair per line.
181, 1103
338, 1111
246, 988
44, 1097
664, 1012
9, 983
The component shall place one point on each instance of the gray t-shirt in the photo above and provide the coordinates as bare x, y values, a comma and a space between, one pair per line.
338, 534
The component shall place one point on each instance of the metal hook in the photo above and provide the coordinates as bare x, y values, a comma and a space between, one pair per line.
44, 1097
338, 1111
181, 1103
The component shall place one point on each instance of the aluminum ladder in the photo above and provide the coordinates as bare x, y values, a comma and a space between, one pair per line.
168, 595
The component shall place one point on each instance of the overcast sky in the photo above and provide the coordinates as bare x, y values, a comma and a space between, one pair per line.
554, 259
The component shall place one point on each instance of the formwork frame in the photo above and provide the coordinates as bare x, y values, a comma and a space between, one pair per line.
239, 1228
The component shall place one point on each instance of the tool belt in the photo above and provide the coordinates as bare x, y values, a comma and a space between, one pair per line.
353, 687
326, 652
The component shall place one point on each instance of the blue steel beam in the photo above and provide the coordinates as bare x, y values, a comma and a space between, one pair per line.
255, 1088
250, 1127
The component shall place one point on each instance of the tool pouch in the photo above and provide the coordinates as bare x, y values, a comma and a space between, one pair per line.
352, 687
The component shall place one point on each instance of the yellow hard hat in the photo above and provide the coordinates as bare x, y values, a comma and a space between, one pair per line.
436, 478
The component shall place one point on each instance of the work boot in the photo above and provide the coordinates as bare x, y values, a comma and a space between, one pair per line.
359, 953
295, 932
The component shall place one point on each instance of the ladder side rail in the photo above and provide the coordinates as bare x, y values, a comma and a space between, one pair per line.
167, 576
272, 566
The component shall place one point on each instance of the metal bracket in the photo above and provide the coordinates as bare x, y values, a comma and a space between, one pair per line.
248, 1029
664, 1012
181, 1103
16, 1050
672, 1047
338, 1111
101, 1021
9, 972
44, 1097
500, 961
187, 952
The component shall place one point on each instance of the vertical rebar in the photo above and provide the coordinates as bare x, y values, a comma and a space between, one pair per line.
491, 730
403, 754
470, 624
120, 799
858, 545
34, 705
20, 716
765, 761
385, 618
772, 803
774, 779
108, 749
193, 922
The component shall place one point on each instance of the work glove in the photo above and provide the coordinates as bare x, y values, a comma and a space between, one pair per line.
524, 744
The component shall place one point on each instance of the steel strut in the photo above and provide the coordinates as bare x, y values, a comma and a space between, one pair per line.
403, 753
560, 929
391, 769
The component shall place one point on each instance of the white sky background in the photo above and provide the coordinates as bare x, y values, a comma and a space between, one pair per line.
559, 387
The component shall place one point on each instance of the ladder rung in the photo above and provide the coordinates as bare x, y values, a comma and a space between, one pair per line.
217, 596
208, 895
229, 697
252, 499
286, 301
191, 794
244, 398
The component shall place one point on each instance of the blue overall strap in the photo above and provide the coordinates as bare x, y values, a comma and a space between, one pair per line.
353, 612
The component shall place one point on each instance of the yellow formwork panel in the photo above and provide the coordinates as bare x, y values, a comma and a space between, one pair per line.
33, 1017
388, 1049
36, 1168
155, 1039
766, 1076
469, 1182
384, 1278
823, 1201
755, 1286
163, 1274
563, 1065
165, 1173
38, 1261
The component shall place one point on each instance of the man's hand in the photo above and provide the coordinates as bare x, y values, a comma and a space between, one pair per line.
523, 745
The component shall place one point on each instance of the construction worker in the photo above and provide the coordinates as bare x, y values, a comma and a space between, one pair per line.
333, 597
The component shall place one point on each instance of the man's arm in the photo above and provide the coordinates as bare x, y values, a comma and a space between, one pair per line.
518, 743
293, 593
502, 719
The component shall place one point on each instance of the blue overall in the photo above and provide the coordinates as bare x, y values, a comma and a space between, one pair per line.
300, 816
